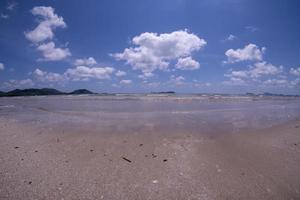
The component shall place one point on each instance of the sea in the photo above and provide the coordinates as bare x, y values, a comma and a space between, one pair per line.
150, 113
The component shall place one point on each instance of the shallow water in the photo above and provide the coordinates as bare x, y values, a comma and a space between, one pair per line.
194, 114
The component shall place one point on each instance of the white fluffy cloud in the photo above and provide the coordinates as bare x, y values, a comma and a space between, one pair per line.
85, 73
125, 82
239, 74
237, 77
48, 21
12, 84
260, 69
52, 53
79, 73
264, 68
2, 66
187, 63
295, 71
250, 52
120, 73
256, 72
43, 76
85, 61
154, 51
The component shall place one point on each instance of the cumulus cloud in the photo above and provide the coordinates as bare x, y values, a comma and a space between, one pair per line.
239, 74
264, 68
2, 66
79, 73
260, 69
48, 21
125, 82
86, 61
85, 73
187, 63
256, 72
154, 51
43, 76
120, 73
52, 53
295, 71
12, 84
250, 52
236, 78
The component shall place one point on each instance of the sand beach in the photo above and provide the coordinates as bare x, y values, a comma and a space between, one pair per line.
50, 154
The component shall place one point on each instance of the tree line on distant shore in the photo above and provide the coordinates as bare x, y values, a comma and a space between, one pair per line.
41, 92
51, 91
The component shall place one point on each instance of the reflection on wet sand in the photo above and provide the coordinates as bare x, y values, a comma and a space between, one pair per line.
140, 147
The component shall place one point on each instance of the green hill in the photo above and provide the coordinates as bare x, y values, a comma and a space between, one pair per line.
33, 92
81, 91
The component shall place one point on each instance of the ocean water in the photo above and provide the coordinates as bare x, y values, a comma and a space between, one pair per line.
141, 113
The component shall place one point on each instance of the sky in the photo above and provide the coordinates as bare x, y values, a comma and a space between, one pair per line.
187, 46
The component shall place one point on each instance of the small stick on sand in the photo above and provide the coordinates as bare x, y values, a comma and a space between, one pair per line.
126, 159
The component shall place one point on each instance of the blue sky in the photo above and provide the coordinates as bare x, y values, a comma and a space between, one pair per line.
232, 46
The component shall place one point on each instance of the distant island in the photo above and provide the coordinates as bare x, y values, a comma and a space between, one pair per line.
168, 92
51, 91
82, 91
42, 92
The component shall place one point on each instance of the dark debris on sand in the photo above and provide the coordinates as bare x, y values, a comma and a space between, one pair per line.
126, 159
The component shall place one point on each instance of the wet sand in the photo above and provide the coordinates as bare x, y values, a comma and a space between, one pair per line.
77, 163
45, 159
